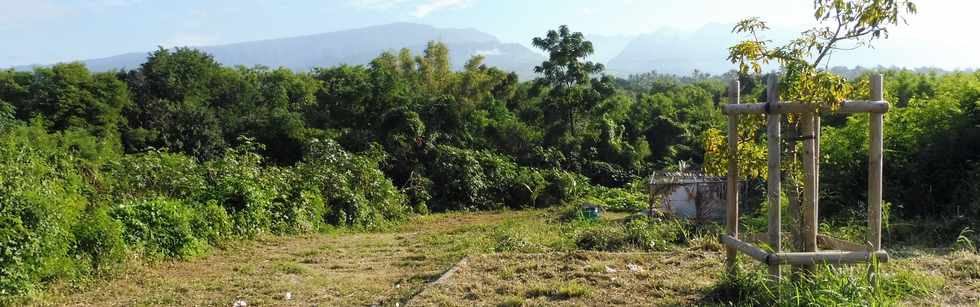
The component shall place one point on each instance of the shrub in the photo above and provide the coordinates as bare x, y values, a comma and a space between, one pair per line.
563, 187
156, 174
211, 222
99, 239
526, 187
44, 183
355, 192
161, 227
462, 181
829, 286
617, 199
602, 239
237, 182
18, 254
639, 233
482, 180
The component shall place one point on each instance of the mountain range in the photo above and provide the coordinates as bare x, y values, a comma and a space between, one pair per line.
357, 46
665, 51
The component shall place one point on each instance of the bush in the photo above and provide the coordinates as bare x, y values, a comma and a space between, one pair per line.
161, 227
156, 174
525, 189
563, 187
829, 286
355, 192
238, 182
482, 180
18, 255
638, 233
617, 199
44, 182
602, 239
211, 223
462, 181
99, 239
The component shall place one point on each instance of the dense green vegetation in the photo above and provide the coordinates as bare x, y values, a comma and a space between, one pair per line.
182, 153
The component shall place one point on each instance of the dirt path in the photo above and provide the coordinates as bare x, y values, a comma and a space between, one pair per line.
325, 270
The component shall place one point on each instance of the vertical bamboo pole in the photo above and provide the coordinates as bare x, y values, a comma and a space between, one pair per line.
772, 133
808, 228
731, 187
816, 170
874, 166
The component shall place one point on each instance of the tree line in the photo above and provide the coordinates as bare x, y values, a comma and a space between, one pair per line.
183, 153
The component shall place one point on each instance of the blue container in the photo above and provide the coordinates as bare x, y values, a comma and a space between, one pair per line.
590, 212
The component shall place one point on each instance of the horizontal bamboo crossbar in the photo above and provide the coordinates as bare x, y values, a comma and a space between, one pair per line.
828, 257
748, 249
838, 244
796, 107
803, 258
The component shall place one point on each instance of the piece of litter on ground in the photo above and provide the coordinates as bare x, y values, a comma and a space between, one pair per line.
634, 268
240, 303
610, 270
288, 296
398, 286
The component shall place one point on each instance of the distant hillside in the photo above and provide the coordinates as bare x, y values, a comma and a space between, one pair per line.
608, 47
678, 52
357, 46
674, 52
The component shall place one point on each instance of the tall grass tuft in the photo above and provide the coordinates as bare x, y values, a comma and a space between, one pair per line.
862, 285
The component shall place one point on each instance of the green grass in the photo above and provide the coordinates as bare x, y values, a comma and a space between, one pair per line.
858, 285
517, 258
558, 292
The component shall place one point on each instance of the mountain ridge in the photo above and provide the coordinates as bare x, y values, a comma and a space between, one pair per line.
352, 47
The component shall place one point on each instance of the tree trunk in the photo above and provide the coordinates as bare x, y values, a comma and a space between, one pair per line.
793, 191
571, 120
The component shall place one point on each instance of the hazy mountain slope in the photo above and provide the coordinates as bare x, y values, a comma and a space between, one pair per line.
675, 52
357, 46
608, 47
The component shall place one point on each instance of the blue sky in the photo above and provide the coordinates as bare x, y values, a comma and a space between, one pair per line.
45, 31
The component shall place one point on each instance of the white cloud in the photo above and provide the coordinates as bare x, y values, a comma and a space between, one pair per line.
585, 12
427, 8
494, 51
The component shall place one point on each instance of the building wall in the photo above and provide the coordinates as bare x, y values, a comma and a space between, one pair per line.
684, 201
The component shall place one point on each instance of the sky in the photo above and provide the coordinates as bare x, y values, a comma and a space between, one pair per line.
47, 31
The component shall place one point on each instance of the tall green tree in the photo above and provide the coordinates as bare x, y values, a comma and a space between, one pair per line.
69, 96
173, 91
567, 72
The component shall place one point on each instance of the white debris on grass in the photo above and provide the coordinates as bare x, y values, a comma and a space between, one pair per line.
240, 303
610, 270
288, 296
634, 268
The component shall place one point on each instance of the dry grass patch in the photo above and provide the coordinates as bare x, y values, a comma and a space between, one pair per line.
339, 269
578, 279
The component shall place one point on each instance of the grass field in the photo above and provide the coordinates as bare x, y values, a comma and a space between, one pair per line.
512, 258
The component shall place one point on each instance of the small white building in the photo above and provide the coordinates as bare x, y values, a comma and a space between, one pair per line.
688, 194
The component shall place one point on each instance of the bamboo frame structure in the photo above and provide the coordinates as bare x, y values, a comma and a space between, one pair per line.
844, 252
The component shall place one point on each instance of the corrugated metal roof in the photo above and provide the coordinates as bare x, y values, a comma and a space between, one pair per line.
658, 178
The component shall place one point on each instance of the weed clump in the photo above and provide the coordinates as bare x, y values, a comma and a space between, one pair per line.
829, 286
638, 233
